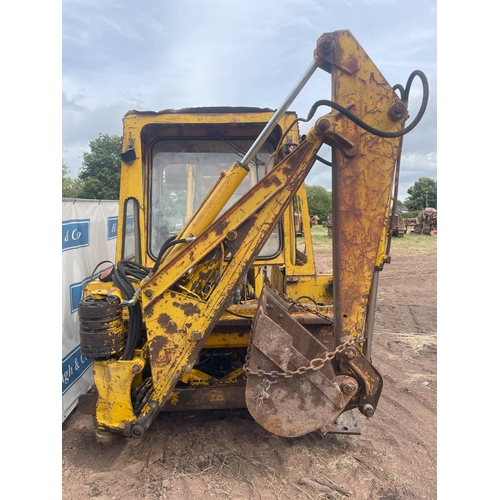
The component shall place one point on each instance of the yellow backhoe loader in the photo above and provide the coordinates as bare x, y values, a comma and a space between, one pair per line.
214, 301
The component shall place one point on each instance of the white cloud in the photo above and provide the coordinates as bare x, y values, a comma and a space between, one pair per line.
118, 56
414, 166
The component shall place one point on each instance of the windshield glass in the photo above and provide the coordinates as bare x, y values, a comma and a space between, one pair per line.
184, 170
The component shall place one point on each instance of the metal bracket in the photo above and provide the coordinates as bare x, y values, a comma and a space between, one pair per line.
345, 424
133, 300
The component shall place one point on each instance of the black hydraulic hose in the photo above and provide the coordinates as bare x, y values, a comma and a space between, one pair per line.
425, 84
399, 87
162, 251
134, 331
369, 128
135, 270
125, 269
322, 160
123, 282
168, 243
100, 263
121, 278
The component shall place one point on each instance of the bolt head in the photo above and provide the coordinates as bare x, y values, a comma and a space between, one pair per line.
397, 111
368, 411
323, 125
349, 353
348, 387
137, 431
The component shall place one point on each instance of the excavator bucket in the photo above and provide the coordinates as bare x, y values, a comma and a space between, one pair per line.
291, 388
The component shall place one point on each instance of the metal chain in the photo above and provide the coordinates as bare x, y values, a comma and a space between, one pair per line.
314, 365
304, 307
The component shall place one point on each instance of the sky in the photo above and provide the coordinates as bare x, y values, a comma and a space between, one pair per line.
120, 55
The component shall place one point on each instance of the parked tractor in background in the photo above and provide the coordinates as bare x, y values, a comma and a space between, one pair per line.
328, 224
426, 222
398, 226
410, 223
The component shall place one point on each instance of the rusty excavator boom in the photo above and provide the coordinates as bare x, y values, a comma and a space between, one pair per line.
214, 300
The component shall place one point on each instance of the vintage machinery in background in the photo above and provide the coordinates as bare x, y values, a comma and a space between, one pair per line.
426, 222
228, 311
398, 226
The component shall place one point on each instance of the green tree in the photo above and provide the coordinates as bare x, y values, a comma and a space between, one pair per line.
100, 171
70, 187
423, 193
319, 201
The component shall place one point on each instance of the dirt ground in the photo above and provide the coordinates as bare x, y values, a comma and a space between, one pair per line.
227, 455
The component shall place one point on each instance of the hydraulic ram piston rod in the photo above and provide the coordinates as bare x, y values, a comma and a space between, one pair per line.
227, 184
279, 113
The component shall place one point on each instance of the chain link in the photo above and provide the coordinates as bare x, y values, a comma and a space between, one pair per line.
299, 305
314, 365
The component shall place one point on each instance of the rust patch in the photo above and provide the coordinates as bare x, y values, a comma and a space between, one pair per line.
190, 309
298, 158
275, 425
204, 275
351, 63
220, 227
158, 349
165, 321
268, 182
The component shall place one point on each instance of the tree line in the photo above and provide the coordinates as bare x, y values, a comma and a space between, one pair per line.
99, 179
99, 175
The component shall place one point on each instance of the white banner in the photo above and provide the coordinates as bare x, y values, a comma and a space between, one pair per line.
89, 230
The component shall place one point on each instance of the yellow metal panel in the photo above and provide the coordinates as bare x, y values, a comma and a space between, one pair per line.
113, 380
232, 339
362, 180
319, 288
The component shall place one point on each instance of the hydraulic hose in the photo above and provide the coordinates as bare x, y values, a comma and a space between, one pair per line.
126, 271
369, 128
168, 243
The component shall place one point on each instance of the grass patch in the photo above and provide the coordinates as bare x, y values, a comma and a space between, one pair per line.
321, 241
415, 244
322, 457
418, 342
402, 481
